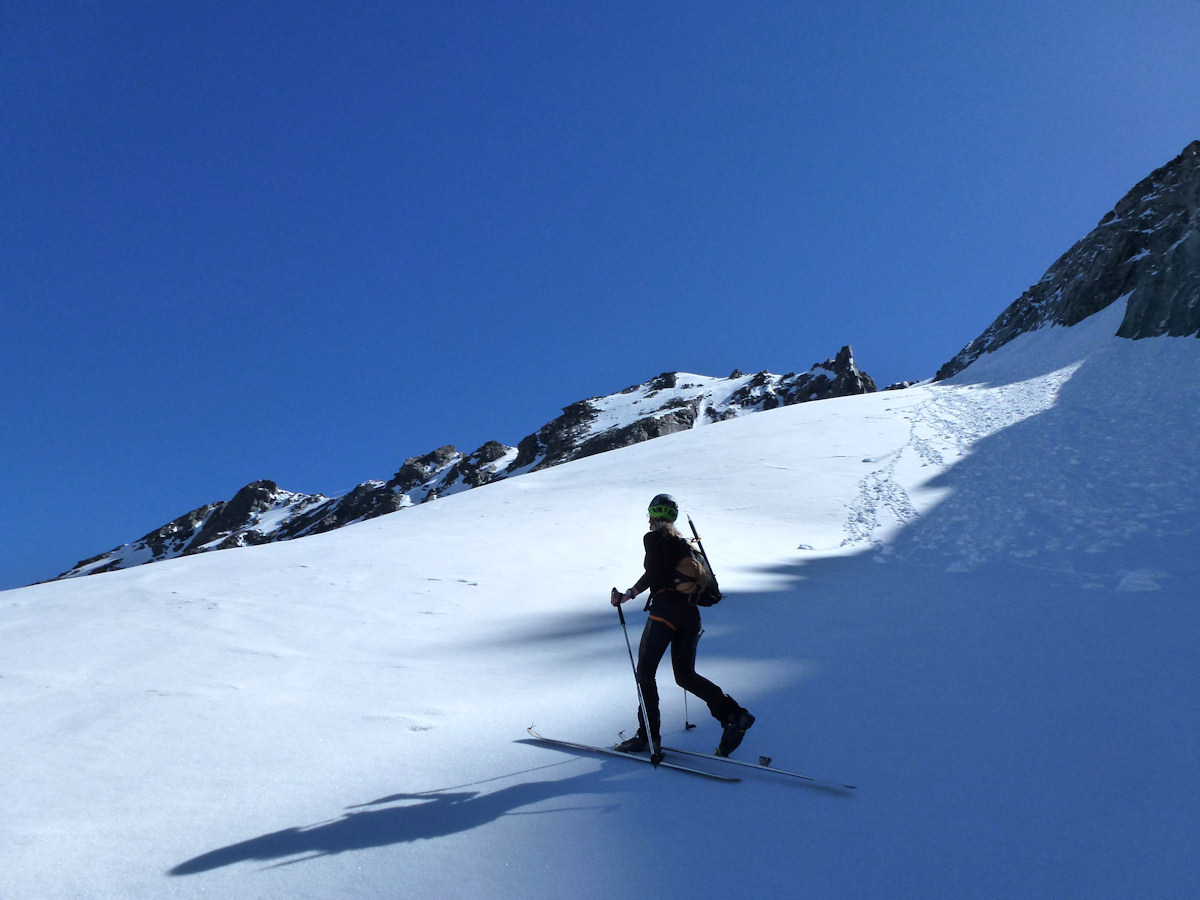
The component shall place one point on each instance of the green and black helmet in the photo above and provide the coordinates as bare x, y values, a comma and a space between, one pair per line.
664, 507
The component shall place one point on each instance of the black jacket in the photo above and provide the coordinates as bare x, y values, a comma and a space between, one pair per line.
663, 553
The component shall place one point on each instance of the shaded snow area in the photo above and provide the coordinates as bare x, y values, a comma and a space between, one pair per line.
976, 600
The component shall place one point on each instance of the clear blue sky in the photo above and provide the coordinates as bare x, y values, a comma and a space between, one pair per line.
305, 241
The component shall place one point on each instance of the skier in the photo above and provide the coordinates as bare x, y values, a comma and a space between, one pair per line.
675, 622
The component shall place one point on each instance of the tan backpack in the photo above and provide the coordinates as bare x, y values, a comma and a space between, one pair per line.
694, 577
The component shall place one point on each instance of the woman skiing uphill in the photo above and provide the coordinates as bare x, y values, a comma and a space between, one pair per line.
674, 622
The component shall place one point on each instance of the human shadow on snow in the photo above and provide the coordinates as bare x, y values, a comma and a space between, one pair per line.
401, 818
574, 626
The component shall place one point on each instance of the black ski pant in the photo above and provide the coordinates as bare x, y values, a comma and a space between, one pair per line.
656, 637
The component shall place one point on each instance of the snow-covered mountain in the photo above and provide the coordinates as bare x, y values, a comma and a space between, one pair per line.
975, 599
1146, 250
262, 512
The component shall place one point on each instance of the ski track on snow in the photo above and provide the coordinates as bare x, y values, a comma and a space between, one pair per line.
942, 431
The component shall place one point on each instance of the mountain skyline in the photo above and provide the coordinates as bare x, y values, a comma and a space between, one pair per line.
1146, 251
238, 246
672, 402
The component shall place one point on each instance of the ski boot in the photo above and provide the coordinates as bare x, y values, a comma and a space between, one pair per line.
736, 727
635, 744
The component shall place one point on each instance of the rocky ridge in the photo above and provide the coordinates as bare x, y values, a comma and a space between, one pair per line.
262, 512
1147, 249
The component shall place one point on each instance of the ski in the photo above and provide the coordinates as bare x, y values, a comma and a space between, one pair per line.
609, 751
764, 767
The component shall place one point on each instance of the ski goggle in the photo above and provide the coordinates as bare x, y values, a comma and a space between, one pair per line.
669, 513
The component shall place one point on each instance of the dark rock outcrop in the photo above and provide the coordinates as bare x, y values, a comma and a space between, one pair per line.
554, 442
1147, 249
417, 470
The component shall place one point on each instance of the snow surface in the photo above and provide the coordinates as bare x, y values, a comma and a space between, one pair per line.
976, 600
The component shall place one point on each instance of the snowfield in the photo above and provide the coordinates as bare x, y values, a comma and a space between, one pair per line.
976, 600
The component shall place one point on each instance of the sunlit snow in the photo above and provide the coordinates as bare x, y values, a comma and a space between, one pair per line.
976, 600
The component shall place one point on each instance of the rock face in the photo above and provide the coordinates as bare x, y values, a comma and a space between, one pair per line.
251, 517
675, 401
1147, 250
261, 512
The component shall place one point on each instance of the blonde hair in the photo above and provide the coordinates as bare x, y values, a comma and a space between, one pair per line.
664, 525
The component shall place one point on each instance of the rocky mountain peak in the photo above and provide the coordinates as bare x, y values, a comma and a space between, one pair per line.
670, 402
419, 469
1146, 250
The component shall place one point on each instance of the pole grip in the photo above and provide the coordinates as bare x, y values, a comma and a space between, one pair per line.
620, 612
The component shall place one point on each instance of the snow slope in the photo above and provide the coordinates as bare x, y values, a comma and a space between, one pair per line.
974, 599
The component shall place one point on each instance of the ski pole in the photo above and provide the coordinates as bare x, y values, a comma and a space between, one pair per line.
688, 725
654, 752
